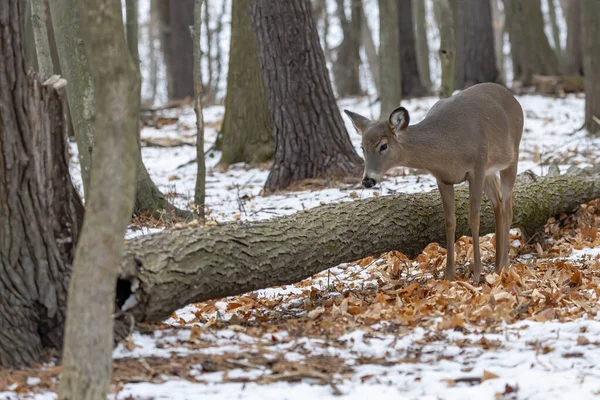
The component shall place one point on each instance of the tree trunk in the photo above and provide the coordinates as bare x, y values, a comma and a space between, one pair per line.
531, 51
573, 58
247, 131
370, 49
554, 26
40, 34
421, 40
311, 140
498, 24
346, 68
475, 54
131, 22
209, 56
237, 258
178, 16
200, 189
80, 91
447, 51
389, 57
39, 226
410, 77
591, 63
87, 355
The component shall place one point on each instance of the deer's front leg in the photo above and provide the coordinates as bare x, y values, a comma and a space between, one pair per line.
475, 195
447, 193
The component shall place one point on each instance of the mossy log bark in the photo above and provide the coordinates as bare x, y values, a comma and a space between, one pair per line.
173, 268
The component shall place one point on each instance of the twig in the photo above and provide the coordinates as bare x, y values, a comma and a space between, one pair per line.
289, 376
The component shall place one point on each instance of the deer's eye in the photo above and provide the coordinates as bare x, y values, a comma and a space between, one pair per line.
383, 147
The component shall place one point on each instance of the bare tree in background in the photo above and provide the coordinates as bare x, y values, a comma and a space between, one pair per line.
247, 130
530, 49
311, 140
422, 44
475, 55
346, 67
498, 23
389, 57
177, 17
200, 189
554, 26
444, 16
590, 16
412, 85
573, 57
370, 49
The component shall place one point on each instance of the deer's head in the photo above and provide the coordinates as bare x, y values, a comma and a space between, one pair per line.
381, 144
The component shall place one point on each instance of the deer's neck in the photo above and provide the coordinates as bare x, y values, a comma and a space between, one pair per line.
417, 147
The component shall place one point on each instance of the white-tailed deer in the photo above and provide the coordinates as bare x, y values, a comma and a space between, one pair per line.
472, 136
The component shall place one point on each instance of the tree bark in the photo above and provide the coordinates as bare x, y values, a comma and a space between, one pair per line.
87, 356
554, 27
573, 58
40, 34
236, 258
370, 49
498, 24
39, 226
531, 51
311, 140
178, 16
475, 54
247, 130
346, 68
131, 22
447, 51
200, 189
410, 77
389, 57
421, 40
591, 63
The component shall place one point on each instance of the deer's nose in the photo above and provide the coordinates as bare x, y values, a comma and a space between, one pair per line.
368, 182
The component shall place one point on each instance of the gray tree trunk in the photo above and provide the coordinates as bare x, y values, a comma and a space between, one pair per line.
389, 57
370, 49
554, 27
311, 139
573, 57
200, 189
80, 90
445, 21
247, 129
531, 51
39, 16
87, 354
346, 68
590, 13
498, 23
132, 30
237, 258
475, 54
39, 208
409, 69
421, 41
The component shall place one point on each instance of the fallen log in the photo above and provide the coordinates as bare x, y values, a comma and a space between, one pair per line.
163, 272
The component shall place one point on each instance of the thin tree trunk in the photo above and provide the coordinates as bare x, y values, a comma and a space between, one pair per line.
236, 258
447, 51
132, 29
87, 355
498, 20
346, 68
590, 15
573, 58
421, 40
38, 204
209, 57
200, 190
531, 51
389, 57
40, 34
247, 130
475, 55
311, 140
80, 90
554, 26
153, 35
410, 77
218, 56
370, 50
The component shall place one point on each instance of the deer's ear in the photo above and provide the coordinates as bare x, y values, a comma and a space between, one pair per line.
360, 123
399, 120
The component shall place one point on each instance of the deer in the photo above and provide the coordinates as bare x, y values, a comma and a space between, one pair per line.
472, 136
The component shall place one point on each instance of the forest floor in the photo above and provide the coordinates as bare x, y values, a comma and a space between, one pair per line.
387, 325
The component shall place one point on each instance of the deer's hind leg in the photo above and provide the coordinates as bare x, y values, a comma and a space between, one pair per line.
508, 177
492, 190
476, 184
447, 193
